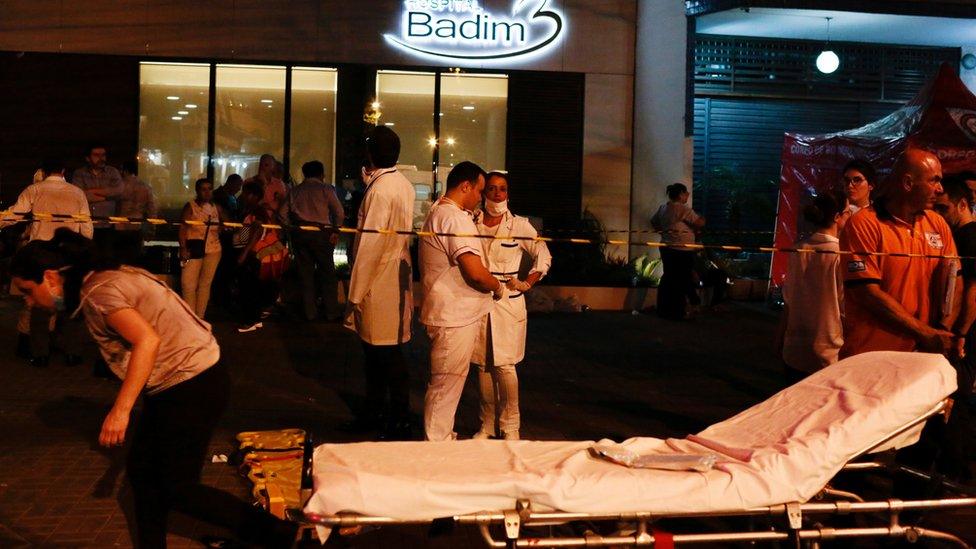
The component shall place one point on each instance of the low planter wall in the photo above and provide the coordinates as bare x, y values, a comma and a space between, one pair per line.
600, 298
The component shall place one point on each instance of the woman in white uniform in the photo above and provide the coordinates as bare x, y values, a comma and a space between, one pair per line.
502, 343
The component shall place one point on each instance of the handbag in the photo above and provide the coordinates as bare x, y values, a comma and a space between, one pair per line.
198, 246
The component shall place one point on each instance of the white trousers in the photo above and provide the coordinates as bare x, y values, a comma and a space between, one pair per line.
499, 397
196, 278
450, 358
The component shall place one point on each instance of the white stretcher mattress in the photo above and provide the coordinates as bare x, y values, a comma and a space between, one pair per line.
784, 449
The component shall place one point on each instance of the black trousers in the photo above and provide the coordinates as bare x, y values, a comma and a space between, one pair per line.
316, 270
945, 447
677, 286
255, 294
168, 450
386, 376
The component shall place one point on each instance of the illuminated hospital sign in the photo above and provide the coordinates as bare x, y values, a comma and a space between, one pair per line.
464, 30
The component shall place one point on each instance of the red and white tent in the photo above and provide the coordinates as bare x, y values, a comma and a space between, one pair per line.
941, 119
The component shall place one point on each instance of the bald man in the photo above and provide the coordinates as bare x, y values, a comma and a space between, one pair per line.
897, 303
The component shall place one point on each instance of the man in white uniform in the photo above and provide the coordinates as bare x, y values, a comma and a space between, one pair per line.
380, 302
458, 291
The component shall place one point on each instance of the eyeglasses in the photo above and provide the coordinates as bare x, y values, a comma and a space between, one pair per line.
856, 180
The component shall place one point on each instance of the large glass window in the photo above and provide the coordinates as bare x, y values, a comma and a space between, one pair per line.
173, 109
250, 118
313, 101
406, 103
473, 119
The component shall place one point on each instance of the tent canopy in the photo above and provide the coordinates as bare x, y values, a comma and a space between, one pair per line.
941, 119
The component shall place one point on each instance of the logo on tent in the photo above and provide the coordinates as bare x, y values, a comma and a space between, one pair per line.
966, 120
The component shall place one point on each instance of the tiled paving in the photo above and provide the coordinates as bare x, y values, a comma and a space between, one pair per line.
586, 376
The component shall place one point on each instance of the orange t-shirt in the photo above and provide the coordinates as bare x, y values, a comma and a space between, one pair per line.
912, 281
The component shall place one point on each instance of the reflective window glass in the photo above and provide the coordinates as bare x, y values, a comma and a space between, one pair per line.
473, 120
250, 118
406, 103
313, 102
173, 111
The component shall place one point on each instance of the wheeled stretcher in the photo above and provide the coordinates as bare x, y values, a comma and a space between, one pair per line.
772, 459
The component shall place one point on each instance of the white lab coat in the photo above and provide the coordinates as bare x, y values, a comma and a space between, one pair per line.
507, 317
380, 295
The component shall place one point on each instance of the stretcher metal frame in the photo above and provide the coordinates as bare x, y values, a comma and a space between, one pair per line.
790, 516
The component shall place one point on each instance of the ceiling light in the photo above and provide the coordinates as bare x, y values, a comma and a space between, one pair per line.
389, 124
432, 142
827, 61
468, 107
172, 98
450, 141
177, 118
440, 114
325, 108
267, 101
183, 112
191, 106
375, 104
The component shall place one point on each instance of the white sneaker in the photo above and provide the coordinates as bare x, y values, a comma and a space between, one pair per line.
481, 435
251, 328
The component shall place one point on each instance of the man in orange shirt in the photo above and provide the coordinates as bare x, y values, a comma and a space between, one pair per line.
896, 303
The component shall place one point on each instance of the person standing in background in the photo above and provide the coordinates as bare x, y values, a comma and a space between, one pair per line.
199, 247
274, 188
380, 303
136, 202
102, 184
678, 225
811, 329
859, 179
314, 202
51, 195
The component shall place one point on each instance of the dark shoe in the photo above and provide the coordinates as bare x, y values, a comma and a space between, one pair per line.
72, 360
23, 346
39, 361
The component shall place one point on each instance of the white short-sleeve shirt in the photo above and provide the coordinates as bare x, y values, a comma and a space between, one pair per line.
448, 300
814, 292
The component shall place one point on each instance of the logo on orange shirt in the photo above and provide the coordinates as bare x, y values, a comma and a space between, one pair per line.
934, 240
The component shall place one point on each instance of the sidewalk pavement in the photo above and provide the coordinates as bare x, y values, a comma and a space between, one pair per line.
586, 376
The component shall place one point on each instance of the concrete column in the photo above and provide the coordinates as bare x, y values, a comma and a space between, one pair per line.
662, 154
